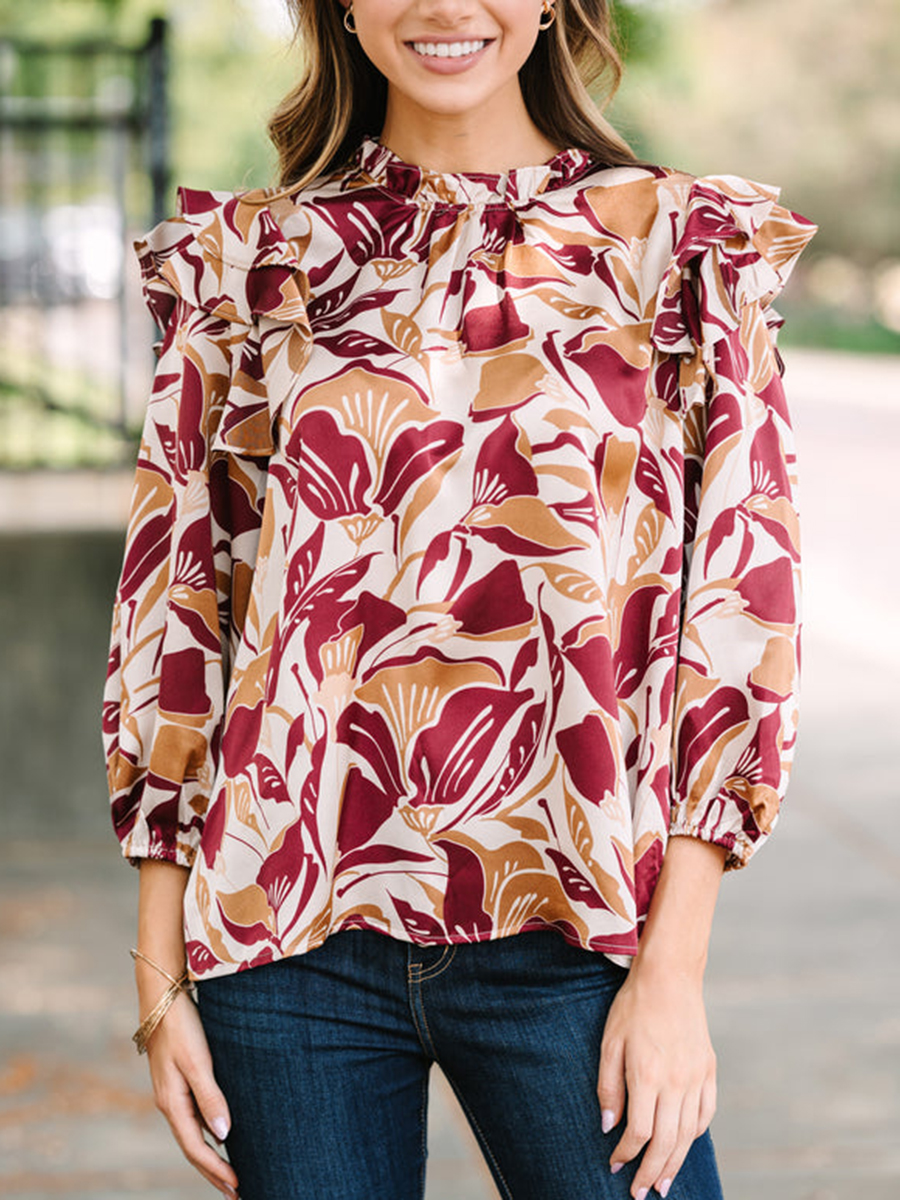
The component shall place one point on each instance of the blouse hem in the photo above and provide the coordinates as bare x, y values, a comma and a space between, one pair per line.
610, 947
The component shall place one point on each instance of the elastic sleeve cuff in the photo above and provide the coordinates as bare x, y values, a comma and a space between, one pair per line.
140, 845
740, 846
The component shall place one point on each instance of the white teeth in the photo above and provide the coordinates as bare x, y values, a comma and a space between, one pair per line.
447, 49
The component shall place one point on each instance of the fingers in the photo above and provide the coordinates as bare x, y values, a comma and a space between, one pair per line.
669, 1147
665, 1126
210, 1101
644, 1123
611, 1083
177, 1105
696, 1115
707, 1105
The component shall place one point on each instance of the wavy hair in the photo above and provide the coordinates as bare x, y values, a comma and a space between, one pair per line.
341, 96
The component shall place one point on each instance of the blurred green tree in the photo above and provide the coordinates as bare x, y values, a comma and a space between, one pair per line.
803, 94
230, 65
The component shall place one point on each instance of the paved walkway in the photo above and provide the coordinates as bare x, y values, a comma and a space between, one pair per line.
804, 974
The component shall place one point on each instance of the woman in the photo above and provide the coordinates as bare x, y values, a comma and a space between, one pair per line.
459, 604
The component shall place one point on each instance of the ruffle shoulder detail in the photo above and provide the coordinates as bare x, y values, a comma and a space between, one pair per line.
734, 245
226, 255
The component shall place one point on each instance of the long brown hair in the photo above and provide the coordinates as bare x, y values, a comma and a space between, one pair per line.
342, 96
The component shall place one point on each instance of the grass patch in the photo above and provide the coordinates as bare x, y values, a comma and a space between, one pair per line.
828, 329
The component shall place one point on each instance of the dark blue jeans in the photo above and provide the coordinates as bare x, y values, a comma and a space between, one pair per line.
324, 1060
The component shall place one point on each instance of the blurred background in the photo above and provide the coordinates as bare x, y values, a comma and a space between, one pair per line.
104, 106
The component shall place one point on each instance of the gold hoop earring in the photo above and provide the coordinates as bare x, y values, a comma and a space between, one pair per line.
549, 10
349, 23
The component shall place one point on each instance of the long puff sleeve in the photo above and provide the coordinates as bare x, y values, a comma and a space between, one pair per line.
737, 678
224, 287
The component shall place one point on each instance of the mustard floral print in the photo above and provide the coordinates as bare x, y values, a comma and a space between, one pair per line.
462, 568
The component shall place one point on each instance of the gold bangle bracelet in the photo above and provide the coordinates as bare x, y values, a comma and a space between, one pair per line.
138, 954
149, 1024
147, 1027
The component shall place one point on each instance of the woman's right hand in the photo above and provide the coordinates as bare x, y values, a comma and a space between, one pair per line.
186, 1092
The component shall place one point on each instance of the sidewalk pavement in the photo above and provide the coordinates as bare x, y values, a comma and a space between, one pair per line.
804, 974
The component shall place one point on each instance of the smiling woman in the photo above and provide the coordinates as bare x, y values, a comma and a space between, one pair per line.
455, 649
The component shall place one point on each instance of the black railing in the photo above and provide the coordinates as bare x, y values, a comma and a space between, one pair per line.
84, 164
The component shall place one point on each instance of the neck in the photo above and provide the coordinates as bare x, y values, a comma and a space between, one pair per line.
469, 141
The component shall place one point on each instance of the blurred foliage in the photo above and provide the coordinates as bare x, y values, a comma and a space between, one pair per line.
229, 69
639, 32
832, 328
803, 94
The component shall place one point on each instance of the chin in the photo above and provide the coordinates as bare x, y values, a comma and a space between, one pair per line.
447, 102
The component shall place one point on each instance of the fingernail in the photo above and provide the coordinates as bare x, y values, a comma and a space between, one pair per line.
664, 1188
642, 1194
220, 1129
607, 1119
616, 1168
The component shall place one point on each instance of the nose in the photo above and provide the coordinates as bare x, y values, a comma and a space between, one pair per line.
447, 12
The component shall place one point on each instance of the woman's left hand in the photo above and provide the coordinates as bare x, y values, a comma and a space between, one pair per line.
657, 1065
656, 1050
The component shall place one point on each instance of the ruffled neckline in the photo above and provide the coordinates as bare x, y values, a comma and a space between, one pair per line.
382, 168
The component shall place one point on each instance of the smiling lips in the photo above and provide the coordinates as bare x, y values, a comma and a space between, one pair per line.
448, 49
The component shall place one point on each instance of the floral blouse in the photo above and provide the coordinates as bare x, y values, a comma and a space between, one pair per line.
462, 568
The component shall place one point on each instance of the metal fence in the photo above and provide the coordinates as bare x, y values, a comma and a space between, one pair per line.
84, 165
